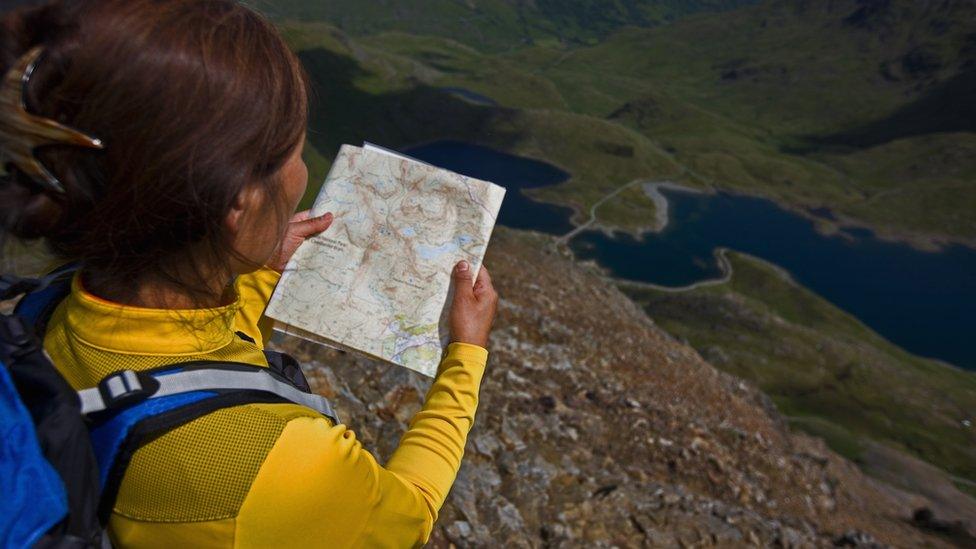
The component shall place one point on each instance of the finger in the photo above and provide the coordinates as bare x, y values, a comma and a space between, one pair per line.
313, 225
462, 280
483, 282
301, 216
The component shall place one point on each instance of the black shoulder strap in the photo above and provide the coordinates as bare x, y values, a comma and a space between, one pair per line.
12, 286
41, 295
288, 369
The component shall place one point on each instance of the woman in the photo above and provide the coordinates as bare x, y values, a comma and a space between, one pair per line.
179, 216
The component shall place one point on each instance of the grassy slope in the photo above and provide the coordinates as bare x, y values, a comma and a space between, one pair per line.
731, 94
365, 91
494, 25
828, 372
752, 100
935, 177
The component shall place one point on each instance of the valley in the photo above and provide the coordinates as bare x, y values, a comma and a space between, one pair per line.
831, 112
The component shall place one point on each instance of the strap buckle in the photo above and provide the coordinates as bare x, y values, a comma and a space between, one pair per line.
126, 387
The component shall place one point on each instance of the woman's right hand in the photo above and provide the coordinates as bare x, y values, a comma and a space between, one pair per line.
474, 306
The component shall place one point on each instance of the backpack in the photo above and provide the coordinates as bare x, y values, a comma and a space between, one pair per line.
63, 453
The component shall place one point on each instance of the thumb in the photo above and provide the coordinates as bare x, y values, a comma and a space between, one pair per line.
463, 280
313, 225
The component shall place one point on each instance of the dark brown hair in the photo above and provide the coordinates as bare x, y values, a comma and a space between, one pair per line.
193, 99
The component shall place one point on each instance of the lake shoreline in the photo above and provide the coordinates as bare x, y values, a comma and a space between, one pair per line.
721, 258
832, 224
666, 264
652, 189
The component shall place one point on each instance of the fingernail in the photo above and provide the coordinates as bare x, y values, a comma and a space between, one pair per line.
462, 266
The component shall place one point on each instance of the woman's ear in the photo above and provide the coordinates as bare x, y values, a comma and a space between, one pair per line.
247, 201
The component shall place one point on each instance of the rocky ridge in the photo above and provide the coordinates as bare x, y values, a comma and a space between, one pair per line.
596, 428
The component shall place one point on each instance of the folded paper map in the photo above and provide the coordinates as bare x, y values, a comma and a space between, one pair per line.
378, 281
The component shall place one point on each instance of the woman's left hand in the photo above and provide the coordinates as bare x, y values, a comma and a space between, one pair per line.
301, 226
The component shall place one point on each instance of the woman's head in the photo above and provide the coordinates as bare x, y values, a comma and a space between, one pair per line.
201, 108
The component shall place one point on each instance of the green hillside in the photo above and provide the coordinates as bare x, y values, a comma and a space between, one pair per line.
366, 92
860, 108
826, 371
495, 25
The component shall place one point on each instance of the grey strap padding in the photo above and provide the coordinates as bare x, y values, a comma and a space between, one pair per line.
206, 380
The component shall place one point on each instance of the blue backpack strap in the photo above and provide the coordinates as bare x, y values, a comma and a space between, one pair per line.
116, 437
135, 408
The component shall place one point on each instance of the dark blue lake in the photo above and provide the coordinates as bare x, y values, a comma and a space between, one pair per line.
510, 171
924, 302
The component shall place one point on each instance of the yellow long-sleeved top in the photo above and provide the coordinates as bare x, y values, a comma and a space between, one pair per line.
262, 474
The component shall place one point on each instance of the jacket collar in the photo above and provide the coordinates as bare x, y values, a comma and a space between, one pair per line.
115, 327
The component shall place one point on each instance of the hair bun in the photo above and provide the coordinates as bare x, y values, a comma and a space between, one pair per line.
27, 212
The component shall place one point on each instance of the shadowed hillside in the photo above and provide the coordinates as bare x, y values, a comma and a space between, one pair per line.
947, 107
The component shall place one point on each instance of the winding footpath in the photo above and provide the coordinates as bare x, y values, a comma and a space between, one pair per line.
583, 226
651, 189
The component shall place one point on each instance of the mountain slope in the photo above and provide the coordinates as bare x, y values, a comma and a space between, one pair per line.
597, 428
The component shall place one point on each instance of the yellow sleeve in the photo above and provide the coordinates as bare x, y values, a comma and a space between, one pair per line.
254, 290
319, 486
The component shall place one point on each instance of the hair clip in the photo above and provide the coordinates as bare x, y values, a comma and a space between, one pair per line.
22, 132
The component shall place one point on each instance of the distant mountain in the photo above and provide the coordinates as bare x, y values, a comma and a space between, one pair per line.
819, 64
495, 24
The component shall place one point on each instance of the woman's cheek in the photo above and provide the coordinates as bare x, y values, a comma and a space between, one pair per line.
300, 184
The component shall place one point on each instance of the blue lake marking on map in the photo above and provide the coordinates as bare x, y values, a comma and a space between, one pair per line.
385, 185
433, 252
340, 187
